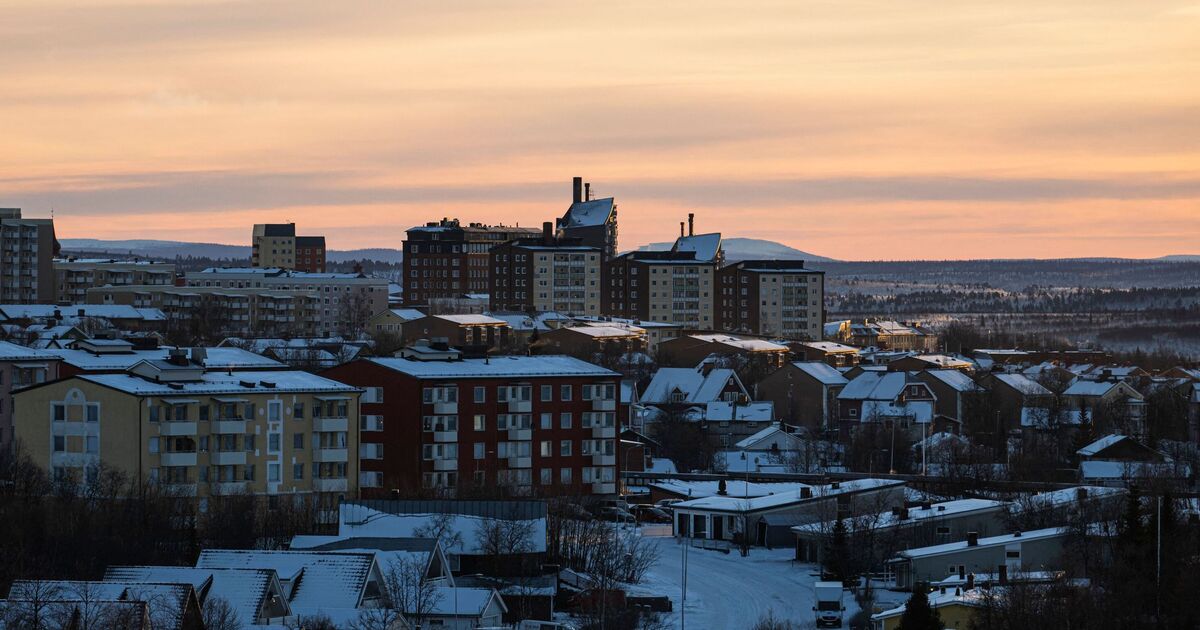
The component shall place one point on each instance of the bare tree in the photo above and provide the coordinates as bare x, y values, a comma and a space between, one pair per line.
407, 589
31, 605
441, 527
218, 614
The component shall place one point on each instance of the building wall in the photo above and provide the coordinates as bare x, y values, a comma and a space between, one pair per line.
26, 259
74, 278
799, 399
1035, 555
403, 437
16, 375
447, 259
126, 438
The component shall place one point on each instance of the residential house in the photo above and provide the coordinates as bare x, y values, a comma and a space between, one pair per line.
392, 320
727, 422
695, 348
955, 607
957, 394
1111, 404
21, 367
593, 341
898, 398
462, 331
537, 275
805, 394
445, 259
892, 335
73, 604
255, 595
1018, 552
1116, 459
1014, 394
777, 298
835, 354
919, 362
674, 390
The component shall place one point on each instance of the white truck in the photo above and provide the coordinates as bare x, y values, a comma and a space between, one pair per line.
829, 608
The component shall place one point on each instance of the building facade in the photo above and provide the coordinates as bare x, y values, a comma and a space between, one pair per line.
27, 251
74, 276
779, 298
529, 425
592, 221
548, 274
445, 259
276, 246
21, 367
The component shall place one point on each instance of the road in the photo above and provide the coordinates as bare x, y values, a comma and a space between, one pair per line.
729, 591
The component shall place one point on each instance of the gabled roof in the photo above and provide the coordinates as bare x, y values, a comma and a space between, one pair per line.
883, 386
1101, 444
245, 590
325, 579
724, 411
829, 346
12, 352
1094, 389
954, 547
955, 379
746, 344
469, 319
1023, 384
587, 213
464, 601
822, 372
166, 603
772, 435
696, 386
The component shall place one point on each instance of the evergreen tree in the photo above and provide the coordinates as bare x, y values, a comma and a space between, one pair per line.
837, 553
1131, 531
918, 614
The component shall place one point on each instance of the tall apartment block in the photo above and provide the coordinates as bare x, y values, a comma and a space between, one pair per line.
675, 286
592, 221
550, 273
74, 276
445, 259
27, 251
779, 298
533, 425
199, 433
275, 245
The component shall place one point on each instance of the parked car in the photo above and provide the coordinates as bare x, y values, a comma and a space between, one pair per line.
615, 514
650, 514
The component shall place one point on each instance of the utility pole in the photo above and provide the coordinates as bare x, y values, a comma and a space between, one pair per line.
683, 600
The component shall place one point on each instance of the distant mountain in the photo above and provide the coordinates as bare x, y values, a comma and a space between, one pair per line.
170, 249
1179, 258
752, 248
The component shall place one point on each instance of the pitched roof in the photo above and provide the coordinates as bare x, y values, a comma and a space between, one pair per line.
937, 550
325, 579
1101, 444
469, 319
822, 372
697, 386
12, 352
741, 343
1023, 384
723, 410
705, 246
955, 379
884, 386
587, 213
243, 589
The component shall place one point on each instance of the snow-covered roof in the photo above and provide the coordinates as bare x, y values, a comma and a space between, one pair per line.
1102, 469
774, 433
698, 387
360, 521
937, 600
469, 319
406, 313
829, 346
723, 411
314, 579
822, 372
12, 352
956, 380
600, 332
741, 343
222, 383
875, 386
705, 246
944, 360
937, 550
463, 601
943, 509
733, 488
783, 499
587, 213
1023, 384
243, 589
219, 358
494, 367
1070, 496
74, 311
1101, 444
1090, 388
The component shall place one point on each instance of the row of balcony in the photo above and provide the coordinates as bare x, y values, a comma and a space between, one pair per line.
238, 427
242, 487
238, 458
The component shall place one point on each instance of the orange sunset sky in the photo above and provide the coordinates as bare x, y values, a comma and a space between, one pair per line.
852, 129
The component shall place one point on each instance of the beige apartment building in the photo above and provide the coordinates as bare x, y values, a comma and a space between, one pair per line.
230, 312
547, 274
27, 251
778, 298
275, 245
676, 286
74, 276
341, 298
198, 433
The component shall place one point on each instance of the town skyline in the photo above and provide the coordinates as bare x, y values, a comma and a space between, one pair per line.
971, 131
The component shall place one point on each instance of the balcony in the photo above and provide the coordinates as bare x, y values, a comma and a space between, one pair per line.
445, 436
599, 459
520, 462
330, 425
237, 427
177, 459
604, 488
330, 455
179, 489
445, 408
177, 428
227, 458
604, 432
229, 487
330, 485
520, 406
522, 435
445, 464
604, 405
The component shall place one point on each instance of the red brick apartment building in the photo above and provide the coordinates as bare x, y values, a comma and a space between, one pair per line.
445, 259
534, 425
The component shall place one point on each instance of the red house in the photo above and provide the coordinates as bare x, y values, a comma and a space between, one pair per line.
530, 425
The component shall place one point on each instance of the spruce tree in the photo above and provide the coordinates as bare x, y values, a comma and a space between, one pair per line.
918, 614
837, 553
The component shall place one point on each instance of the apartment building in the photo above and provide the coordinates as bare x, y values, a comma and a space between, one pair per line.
275, 245
526, 424
229, 312
27, 251
445, 259
339, 296
476, 332
21, 367
198, 433
547, 274
592, 221
675, 286
779, 298
74, 276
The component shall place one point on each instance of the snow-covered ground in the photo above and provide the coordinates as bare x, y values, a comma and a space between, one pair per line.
729, 591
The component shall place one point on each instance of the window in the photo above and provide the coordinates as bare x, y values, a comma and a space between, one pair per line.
480, 394
273, 473
547, 421
275, 411
151, 444
248, 472
374, 395
546, 476
298, 441
248, 411
943, 530
565, 393
204, 413
480, 422
564, 420
853, 413
93, 412
203, 443
297, 471
60, 413
298, 411
564, 476
60, 443
564, 448
273, 443
249, 442
153, 413
546, 448
1016, 553
93, 444
547, 393
480, 450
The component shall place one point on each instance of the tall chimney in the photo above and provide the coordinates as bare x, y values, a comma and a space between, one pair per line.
681, 229
547, 232
587, 191
577, 189
691, 223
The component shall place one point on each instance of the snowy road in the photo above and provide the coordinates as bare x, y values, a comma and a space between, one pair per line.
729, 591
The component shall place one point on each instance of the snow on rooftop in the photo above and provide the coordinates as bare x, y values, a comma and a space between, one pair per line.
696, 386
407, 314
223, 383
829, 346
733, 504
588, 213
325, 579
724, 411
956, 380
822, 372
359, 521
243, 589
705, 246
460, 600
937, 550
916, 514
1023, 384
870, 385
748, 345
469, 319
497, 366
598, 331
1100, 444
733, 488
12, 352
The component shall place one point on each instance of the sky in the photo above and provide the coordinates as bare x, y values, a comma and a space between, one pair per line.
892, 129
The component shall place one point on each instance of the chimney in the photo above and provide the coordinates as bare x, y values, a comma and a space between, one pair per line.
577, 189
1003, 574
970, 581
681, 232
972, 539
587, 191
548, 232
691, 223
199, 355
962, 573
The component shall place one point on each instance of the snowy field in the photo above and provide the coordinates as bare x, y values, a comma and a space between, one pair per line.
729, 591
